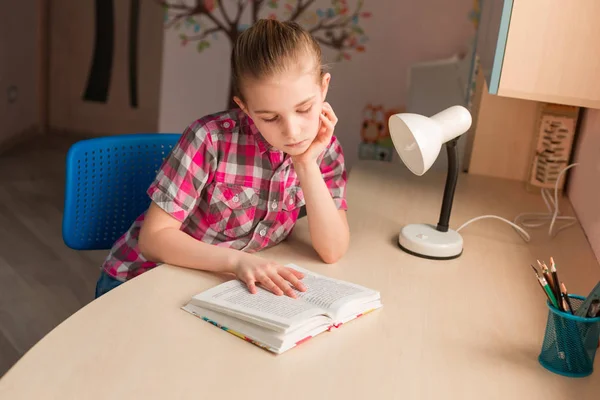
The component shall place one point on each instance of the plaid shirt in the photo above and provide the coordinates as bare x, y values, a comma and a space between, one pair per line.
228, 187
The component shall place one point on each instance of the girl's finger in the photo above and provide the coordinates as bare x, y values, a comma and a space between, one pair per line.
326, 121
251, 286
323, 127
291, 278
328, 109
328, 133
329, 116
283, 285
250, 281
334, 118
270, 285
296, 273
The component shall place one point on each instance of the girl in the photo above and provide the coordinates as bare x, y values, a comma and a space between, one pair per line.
236, 180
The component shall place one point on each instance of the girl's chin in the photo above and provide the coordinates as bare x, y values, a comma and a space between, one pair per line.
294, 152
297, 148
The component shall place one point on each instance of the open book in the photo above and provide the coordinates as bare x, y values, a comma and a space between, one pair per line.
279, 323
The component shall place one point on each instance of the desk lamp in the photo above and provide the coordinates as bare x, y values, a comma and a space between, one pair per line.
418, 140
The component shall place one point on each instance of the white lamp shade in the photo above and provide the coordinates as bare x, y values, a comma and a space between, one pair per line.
418, 139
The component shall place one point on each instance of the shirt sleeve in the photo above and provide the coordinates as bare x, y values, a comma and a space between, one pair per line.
334, 173
178, 186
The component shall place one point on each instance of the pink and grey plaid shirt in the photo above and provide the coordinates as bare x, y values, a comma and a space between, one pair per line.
228, 187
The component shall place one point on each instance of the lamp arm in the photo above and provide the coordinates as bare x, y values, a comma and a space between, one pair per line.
451, 179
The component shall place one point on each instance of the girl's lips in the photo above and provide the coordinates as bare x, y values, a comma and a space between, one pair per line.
297, 144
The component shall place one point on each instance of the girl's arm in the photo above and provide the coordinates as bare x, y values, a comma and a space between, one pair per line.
162, 241
327, 223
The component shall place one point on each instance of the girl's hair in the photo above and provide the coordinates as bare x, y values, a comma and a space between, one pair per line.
268, 47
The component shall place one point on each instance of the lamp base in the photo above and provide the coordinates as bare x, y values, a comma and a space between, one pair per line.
423, 240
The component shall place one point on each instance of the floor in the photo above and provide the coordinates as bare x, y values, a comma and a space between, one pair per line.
42, 282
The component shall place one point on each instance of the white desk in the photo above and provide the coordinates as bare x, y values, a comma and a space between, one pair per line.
469, 328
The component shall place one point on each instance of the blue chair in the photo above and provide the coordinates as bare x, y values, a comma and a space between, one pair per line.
106, 183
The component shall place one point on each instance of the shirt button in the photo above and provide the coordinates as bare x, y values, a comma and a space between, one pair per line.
274, 205
291, 201
236, 198
262, 232
226, 124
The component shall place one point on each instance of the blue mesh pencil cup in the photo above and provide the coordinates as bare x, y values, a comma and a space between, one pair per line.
570, 342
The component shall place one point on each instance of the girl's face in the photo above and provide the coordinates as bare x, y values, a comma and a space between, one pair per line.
286, 108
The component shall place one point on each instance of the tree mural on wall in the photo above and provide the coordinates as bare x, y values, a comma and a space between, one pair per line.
201, 21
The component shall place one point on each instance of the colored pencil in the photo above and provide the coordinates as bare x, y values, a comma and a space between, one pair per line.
544, 284
556, 282
566, 297
550, 284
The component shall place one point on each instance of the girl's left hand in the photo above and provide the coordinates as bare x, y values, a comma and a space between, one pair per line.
323, 138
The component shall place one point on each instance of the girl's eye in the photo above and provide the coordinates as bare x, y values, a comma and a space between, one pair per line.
270, 119
305, 110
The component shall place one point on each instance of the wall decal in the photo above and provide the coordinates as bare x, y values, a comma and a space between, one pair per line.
376, 143
134, 24
99, 78
201, 21
104, 45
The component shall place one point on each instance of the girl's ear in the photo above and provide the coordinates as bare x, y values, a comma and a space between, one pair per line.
325, 84
240, 104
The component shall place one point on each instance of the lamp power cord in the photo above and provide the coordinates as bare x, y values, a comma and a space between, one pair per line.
537, 219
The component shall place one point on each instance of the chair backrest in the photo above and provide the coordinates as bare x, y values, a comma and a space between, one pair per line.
106, 183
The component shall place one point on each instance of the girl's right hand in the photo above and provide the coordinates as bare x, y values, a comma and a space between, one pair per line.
253, 270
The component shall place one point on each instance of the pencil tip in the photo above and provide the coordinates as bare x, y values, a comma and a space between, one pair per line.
535, 270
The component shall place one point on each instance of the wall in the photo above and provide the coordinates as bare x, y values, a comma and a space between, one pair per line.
437, 85
584, 190
400, 33
19, 75
502, 147
95, 97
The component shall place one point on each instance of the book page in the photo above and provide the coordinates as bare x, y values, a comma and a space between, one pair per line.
275, 312
323, 292
331, 294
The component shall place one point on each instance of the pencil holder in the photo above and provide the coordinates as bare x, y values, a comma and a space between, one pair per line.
570, 342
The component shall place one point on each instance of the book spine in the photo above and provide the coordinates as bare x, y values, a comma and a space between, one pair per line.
303, 340
339, 324
265, 347
239, 335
